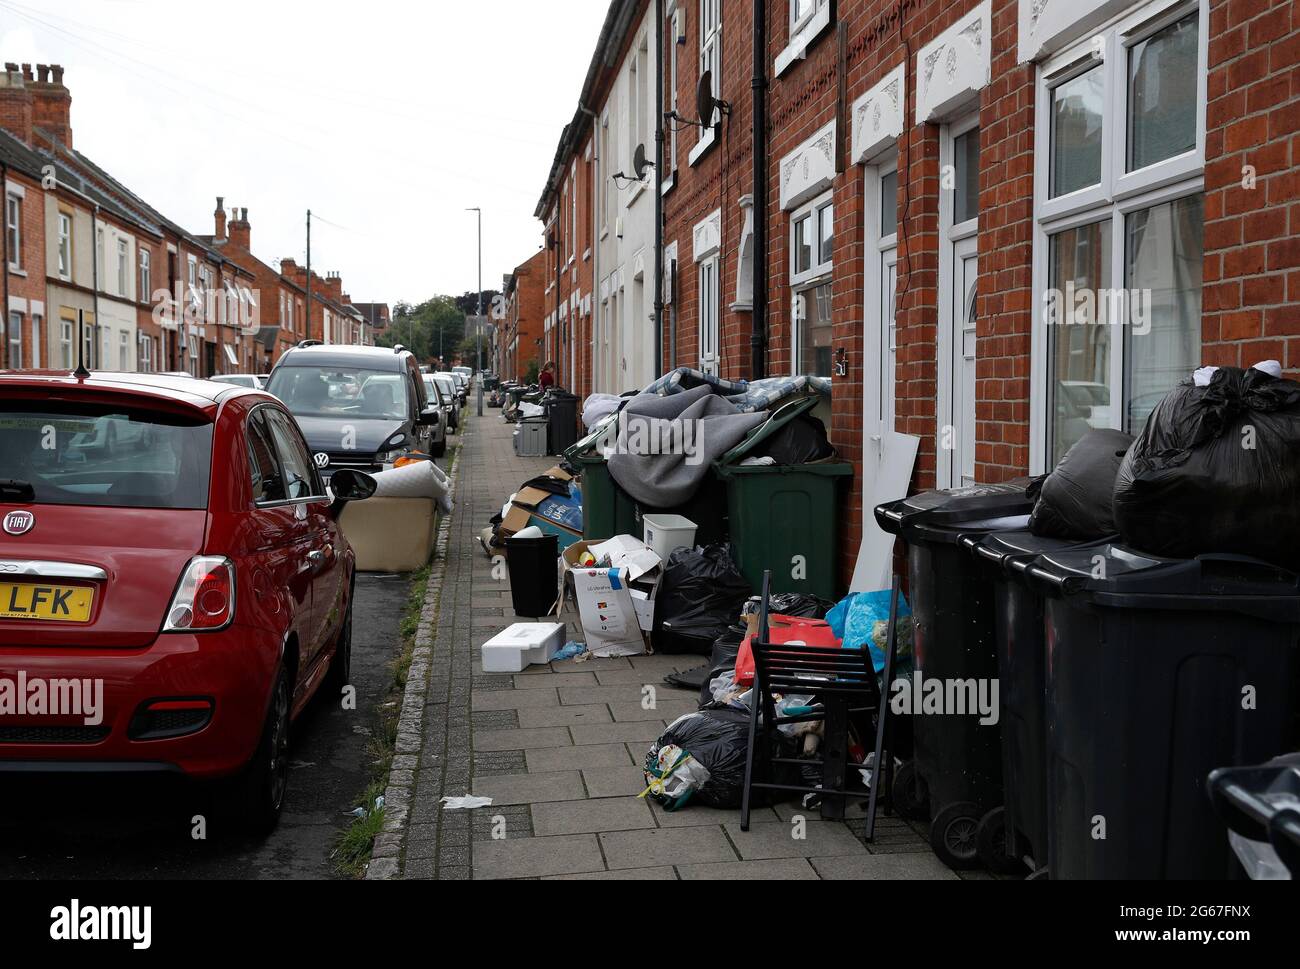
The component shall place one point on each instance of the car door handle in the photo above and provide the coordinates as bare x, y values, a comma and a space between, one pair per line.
318, 557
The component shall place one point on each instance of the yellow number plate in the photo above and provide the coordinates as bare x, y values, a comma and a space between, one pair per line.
45, 603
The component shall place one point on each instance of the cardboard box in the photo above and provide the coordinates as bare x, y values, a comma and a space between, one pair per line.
522, 645
616, 610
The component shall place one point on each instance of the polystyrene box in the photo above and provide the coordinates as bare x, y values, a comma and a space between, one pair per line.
523, 645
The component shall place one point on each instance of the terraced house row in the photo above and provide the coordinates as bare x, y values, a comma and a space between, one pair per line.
993, 224
95, 275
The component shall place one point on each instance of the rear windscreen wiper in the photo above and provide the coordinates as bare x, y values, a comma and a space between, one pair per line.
11, 489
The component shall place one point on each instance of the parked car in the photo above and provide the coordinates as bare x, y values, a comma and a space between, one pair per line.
447, 402
204, 582
462, 385
241, 380
363, 408
451, 394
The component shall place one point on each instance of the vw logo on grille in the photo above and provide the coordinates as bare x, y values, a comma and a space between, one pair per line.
19, 522
322, 460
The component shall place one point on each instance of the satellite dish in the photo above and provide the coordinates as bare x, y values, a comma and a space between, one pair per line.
640, 163
706, 105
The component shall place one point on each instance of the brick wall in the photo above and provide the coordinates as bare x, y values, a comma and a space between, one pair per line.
28, 284
1252, 185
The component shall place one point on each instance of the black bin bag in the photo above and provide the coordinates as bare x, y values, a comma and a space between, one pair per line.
718, 740
700, 595
1217, 470
1076, 500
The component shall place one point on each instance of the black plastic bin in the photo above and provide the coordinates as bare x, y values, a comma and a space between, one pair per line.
1262, 805
957, 765
1017, 832
534, 574
562, 412
1159, 671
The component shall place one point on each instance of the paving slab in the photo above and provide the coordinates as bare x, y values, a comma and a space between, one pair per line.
515, 699
558, 716
614, 781
626, 875
523, 682
576, 758
523, 739
532, 788
776, 870
638, 732
820, 839
886, 867
665, 846
666, 710
698, 815
537, 857
590, 816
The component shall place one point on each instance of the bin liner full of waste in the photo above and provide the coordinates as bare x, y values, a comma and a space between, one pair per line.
1216, 470
1077, 500
700, 758
700, 595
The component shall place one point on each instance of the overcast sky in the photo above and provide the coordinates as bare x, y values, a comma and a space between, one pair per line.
387, 118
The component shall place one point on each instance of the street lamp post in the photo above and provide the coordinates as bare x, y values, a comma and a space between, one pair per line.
478, 322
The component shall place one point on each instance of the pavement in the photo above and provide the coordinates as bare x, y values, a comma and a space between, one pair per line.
558, 748
136, 827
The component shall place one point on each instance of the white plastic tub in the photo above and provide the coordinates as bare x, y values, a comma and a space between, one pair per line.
665, 533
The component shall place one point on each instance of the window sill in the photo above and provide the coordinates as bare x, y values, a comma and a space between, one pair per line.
707, 141
604, 233
634, 193
17, 271
803, 41
669, 184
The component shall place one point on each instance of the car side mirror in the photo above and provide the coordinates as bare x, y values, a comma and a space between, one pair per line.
432, 416
349, 486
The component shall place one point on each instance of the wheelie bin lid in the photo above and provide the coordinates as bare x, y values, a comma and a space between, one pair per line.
947, 516
729, 463
1262, 804
1013, 552
1113, 575
584, 451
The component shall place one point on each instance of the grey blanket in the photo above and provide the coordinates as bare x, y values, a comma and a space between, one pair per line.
664, 445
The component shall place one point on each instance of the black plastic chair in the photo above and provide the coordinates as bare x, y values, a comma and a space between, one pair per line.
844, 684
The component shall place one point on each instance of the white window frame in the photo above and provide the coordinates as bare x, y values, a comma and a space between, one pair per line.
819, 272
1119, 194
14, 339
710, 335
14, 229
710, 60
146, 274
67, 343
669, 26
123, 264
65, 246
124, 351
798, 23
605, 166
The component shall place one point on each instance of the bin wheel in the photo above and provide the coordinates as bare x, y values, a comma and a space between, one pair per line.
994, 852
911, 797
954, 836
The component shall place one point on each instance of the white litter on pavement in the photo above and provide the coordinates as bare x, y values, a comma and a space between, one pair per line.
465, 803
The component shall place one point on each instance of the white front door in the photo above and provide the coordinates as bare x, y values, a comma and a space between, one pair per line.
958, 275
710, 308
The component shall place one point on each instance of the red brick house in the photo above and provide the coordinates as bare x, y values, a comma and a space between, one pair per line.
520, 331
992, 224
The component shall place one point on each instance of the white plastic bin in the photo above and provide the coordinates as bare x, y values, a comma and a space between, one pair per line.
666, 533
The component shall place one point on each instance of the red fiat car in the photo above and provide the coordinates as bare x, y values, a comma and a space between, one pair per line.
174, 584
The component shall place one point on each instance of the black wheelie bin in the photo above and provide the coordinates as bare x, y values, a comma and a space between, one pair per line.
957, 767
1261, 807
1014, 835
1159, 671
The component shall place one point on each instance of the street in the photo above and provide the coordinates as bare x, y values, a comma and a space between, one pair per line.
144, 830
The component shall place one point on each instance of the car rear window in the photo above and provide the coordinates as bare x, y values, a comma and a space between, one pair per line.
341, 392
52, 453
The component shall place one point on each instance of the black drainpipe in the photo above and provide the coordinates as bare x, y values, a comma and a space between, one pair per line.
758, 338
660, 55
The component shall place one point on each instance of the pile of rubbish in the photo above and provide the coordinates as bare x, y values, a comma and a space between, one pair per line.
1213, 472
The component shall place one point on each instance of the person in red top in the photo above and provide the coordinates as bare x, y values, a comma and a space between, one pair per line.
546, 379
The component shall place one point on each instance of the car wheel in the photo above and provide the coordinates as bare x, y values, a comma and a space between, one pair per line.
440, 449
266, 778
340, 672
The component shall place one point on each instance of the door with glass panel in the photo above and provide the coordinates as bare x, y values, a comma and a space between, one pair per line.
959, 273
880, 328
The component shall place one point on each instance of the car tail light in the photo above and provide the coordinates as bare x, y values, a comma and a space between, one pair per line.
205, 598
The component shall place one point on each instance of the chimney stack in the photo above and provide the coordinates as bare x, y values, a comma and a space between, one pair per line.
241, 233
15, 104
220, 217
51, 102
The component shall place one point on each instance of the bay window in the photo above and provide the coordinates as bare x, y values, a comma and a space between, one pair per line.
1119, 221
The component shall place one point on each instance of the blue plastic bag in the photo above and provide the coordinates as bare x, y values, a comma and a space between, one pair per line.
855, 621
